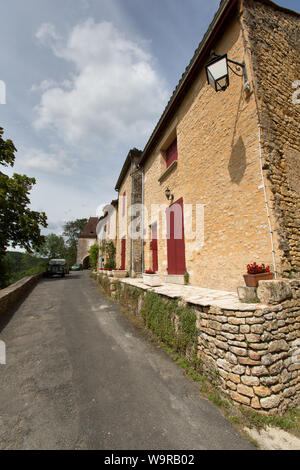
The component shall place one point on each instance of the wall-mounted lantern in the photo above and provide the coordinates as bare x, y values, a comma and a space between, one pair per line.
218, 74
168, 194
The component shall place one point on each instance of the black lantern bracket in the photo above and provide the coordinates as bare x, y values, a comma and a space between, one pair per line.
220, 83
240, 65
168, 195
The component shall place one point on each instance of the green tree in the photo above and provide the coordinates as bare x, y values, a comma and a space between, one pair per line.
53, 247
6, 270
94, 252
19, 265
72, 230
19, 226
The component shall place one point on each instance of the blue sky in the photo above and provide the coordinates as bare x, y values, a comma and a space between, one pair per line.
86, 81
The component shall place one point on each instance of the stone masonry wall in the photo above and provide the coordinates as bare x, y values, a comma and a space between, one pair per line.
83, 247
218, 167
137, 199
252, 353
133, 196
272, 37
122, 230
255, 352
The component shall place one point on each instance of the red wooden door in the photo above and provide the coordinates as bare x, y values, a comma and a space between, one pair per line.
175, 238
123, 253
154, 247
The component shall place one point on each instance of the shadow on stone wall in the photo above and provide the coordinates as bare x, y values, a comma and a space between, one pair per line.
238, 162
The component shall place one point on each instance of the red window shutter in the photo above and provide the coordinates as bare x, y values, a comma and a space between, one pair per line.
171, 153
154, 247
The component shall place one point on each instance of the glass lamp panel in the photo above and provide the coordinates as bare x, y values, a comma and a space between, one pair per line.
210, 78
218, 68
222, 83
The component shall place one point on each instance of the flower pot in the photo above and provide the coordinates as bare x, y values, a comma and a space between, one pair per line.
152, 280
251, 280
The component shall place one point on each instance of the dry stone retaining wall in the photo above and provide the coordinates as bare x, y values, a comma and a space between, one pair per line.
252, 354
11, 295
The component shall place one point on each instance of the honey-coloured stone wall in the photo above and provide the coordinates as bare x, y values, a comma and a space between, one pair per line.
218, 167
273, 40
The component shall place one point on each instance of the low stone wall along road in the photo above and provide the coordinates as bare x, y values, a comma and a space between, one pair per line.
79, 375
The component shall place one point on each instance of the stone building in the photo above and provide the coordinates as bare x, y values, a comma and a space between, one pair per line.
86, 239
225, 166
129, 188
107, 233
219, 188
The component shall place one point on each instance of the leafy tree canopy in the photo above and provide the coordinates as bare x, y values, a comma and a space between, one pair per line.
18, 224
73, 229
16, 265
94, 251
53, 247
65, 245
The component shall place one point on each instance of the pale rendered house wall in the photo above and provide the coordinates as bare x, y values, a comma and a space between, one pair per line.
122, 221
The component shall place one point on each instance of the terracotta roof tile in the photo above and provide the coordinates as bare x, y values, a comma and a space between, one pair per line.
89, 230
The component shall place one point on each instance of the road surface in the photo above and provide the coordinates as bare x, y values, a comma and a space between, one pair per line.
79, 375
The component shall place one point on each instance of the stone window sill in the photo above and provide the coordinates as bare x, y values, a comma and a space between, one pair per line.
168, 171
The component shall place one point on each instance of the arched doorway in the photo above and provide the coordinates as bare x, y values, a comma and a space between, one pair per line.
86, 262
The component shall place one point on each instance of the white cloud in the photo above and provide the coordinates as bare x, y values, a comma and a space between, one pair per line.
116, 95
47, 33
56, 161
44, 85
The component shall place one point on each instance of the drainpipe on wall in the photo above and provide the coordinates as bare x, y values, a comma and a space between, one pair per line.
248, 51
131, 192
265, 196
142, 221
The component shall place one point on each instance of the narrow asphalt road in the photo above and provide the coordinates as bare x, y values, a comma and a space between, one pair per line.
79, 375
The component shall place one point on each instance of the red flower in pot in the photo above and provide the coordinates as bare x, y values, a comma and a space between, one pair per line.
255, 273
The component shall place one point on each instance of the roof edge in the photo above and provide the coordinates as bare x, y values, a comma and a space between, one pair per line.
224, 9
133, 153
222, 14
89, 230
279, 7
